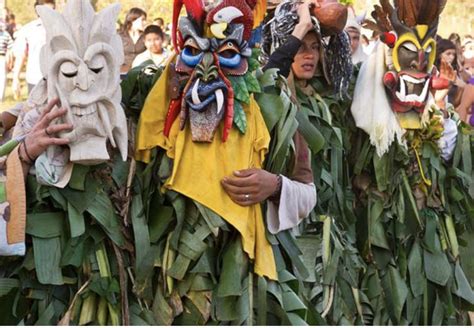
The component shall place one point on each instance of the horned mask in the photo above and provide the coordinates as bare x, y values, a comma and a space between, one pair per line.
212, 42
409, 30
81, 62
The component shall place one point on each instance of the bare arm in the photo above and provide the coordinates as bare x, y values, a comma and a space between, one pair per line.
43, 135
466, 103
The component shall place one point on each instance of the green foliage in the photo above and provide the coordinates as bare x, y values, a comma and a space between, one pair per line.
413, 228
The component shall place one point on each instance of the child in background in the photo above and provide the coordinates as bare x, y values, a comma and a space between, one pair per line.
154, 37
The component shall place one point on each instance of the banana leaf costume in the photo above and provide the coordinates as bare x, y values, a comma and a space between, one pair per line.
327, 237
75, 242
412, 176
209, 260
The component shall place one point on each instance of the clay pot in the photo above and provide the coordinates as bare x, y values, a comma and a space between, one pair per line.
332, 16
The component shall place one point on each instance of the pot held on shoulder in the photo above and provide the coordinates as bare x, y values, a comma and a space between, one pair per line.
332, 16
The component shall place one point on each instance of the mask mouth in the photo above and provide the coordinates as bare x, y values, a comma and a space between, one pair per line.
412, 91
201, 95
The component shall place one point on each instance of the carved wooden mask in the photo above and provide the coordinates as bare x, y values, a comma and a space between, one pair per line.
81, 62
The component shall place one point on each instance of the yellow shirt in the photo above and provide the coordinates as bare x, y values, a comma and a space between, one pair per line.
199, 168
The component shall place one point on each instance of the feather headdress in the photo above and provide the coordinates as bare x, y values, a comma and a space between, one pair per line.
405, 14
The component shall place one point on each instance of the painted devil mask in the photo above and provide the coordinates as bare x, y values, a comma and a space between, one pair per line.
81, 61
212, 45
409, 32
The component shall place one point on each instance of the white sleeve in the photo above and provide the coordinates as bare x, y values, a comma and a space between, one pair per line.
447, 143
297, 200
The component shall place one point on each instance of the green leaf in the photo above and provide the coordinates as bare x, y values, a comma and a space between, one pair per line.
291, 302
81, 200
45, 225
213, 220
464, 289
191, 245
120, 170
76, 221
7, 285
103, 211
252, 83
202, 303
296, 320
311, 134
78, 177
240, 119
269, 78
241, 93
47, 254
430, 240
396, 292
160, 218
377, 231
437, 267
179, 268
466, 155
271, 107
382, 171
75, 250
416, 270
162, 312
46, 317
261, 301
288, 243
411, 199
309, 245
140, 230
230, 283
438, 313
226, 308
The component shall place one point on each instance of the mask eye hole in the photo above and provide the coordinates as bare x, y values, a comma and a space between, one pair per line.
68, 69
229, 55
410, 46
191, 54
429, 49
96, 70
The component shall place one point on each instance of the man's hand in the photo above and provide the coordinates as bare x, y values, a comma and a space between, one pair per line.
44, 133
305, 24
251, 186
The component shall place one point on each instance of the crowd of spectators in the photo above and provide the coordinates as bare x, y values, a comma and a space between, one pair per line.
20, 45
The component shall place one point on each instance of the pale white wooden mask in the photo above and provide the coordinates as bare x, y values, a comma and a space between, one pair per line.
81, 63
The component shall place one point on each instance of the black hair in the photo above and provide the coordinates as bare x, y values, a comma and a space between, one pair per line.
132, 15
161, 20
154, 29
441, 46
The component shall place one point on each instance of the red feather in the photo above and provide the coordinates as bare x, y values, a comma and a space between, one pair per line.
194, 9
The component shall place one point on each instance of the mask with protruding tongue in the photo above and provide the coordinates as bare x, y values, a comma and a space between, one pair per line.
205, 100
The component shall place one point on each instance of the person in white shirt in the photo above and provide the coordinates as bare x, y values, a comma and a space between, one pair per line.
154, 37
28, 44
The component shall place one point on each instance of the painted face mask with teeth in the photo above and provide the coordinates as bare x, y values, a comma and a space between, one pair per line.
410, 81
